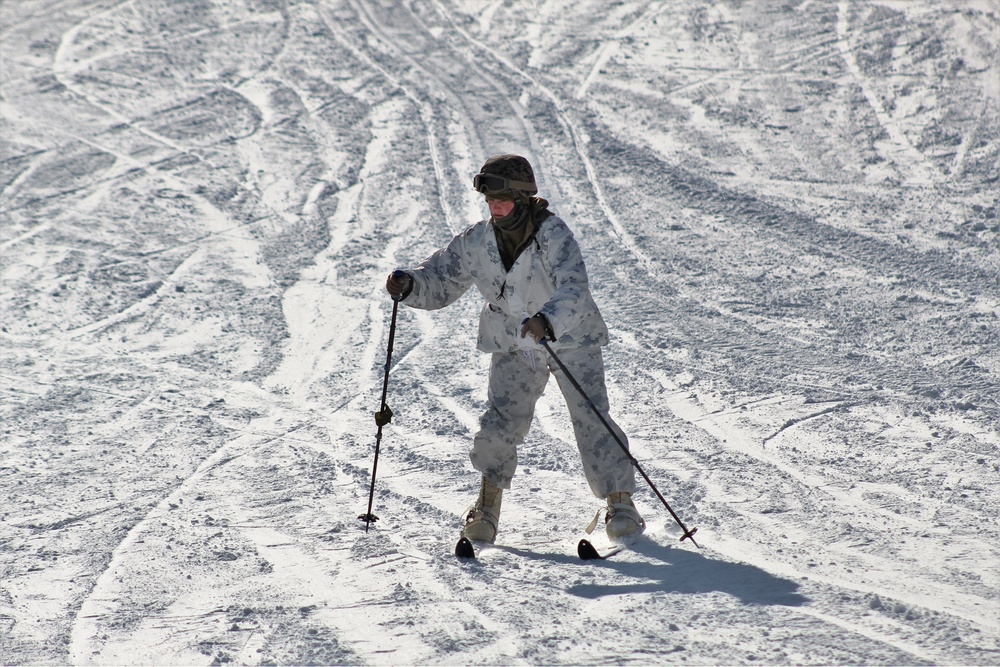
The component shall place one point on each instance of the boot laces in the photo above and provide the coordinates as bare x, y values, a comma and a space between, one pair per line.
485, 507
487, 496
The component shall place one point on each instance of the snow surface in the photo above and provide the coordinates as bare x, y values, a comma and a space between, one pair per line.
789, 212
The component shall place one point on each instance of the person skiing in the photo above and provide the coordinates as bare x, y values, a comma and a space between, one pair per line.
528, 267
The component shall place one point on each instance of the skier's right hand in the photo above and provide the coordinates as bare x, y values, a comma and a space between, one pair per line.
399, 284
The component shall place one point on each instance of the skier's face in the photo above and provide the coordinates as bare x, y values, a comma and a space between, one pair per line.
499, 208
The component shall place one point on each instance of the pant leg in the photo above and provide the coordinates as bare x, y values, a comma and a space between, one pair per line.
605, 465
514, 388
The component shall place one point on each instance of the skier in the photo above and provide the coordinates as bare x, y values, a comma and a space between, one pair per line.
526, 263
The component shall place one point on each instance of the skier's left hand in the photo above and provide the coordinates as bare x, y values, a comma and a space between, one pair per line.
537, 327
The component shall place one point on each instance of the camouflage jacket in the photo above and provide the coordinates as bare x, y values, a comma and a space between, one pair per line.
548, 277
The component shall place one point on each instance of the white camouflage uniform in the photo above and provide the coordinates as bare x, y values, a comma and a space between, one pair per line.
548, 277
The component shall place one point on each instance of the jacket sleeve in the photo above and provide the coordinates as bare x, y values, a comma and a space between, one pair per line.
571, 308
443, 277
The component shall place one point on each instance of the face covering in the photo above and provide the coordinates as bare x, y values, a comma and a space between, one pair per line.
515, 221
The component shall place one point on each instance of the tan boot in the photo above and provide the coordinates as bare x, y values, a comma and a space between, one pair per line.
482, 520
623, 518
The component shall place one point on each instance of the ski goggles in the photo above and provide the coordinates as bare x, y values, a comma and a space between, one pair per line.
489, 184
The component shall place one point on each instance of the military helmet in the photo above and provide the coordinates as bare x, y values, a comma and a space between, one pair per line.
506, 175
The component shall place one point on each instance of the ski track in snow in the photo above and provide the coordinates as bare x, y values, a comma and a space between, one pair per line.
789, 216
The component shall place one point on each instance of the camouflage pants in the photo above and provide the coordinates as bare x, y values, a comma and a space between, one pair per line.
516, 385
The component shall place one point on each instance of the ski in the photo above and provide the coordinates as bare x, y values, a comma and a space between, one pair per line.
464, 549
585, 550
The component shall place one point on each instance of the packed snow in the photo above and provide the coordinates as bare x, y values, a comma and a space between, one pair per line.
788, 210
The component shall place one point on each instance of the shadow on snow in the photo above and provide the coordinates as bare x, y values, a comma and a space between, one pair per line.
673, 570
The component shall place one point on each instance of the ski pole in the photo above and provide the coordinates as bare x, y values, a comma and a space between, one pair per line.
383, 416
688, 534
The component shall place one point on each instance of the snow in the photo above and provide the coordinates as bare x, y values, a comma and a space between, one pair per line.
789, 214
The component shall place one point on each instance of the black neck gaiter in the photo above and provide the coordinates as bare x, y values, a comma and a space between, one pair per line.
517, 228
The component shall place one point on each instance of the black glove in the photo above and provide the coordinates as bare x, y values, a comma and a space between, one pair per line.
399, 284
537, 327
